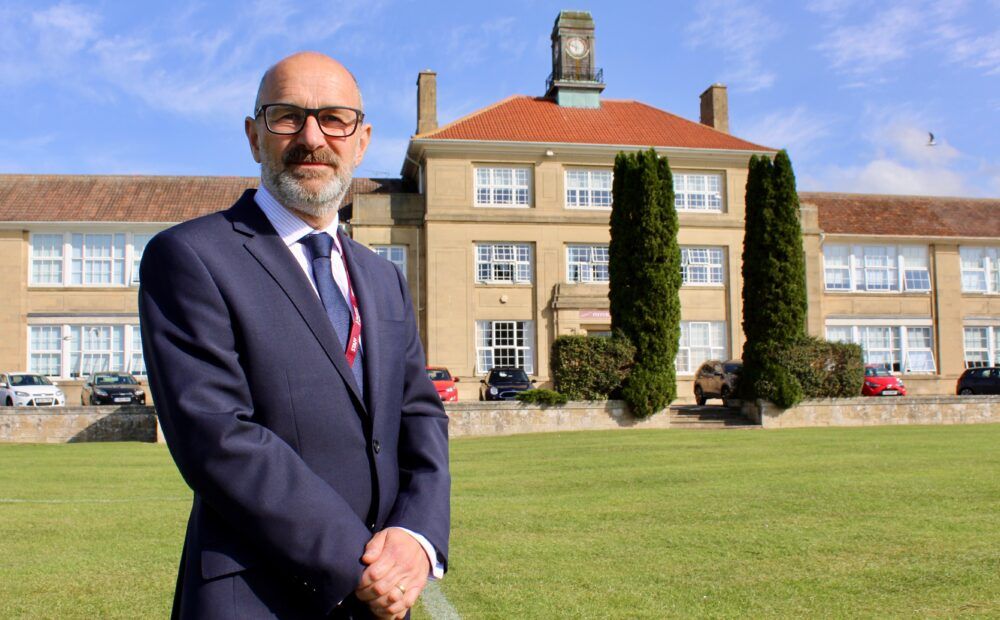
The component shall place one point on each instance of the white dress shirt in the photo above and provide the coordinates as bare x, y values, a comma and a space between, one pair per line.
291, 228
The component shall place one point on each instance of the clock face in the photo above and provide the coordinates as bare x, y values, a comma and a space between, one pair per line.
576, 47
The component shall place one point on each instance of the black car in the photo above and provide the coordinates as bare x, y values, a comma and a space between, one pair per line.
979, 381
717, 379
504, 383
112, 388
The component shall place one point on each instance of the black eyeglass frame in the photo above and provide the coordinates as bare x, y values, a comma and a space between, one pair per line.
313, 112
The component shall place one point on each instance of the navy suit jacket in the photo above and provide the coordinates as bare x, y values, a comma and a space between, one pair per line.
292, 471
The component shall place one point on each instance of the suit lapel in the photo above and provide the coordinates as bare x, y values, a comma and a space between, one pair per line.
361, 281
270, 251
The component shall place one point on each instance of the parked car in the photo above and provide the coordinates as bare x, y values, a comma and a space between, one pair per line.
717, 379
444, 383
112, 388
26, 389
880, 381
979, 381
504, 383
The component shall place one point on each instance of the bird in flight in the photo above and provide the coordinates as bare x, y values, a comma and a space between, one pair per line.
930, 139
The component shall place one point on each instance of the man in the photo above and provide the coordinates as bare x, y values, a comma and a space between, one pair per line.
289, 379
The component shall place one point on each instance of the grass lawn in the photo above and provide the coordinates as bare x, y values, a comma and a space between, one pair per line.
889, 521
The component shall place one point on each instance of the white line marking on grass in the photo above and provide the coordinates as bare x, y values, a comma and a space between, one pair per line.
437, 604
95, 500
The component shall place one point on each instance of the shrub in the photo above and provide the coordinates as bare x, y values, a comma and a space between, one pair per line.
645, 270
588, 368
810, 368
542, 396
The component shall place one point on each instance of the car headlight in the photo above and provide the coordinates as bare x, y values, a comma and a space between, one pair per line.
139, 392
59, 394
901, 384
450, 390
22, 393
494, 391
100, 392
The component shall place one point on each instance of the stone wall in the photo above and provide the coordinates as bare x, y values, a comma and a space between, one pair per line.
509, 418
73, 424
878, 411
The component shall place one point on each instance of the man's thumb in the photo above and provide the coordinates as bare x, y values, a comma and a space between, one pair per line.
374, 548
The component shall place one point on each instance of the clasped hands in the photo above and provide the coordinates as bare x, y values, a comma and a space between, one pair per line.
397, 572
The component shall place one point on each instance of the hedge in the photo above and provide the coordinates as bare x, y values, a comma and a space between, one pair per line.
590, 368
542, 396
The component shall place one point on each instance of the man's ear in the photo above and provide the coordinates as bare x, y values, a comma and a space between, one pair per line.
364, 137
250, 126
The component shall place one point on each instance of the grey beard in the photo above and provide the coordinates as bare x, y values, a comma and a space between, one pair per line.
292, 195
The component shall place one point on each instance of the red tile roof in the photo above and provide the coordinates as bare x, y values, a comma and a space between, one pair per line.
617, 122
924, 216
97, 198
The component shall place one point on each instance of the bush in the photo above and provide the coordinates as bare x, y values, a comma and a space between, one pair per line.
589, 368
541, 396
810, 368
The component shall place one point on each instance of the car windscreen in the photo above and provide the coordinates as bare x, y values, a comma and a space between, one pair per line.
438, 374
733, 368
29, 380
114, 380
877, 372
508, 376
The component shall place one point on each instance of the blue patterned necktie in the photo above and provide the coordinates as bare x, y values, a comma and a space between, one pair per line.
319, 248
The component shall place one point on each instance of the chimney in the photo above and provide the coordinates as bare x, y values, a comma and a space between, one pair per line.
715, 107
427, 116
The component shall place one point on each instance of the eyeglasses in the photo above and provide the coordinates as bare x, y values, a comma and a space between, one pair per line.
286, 119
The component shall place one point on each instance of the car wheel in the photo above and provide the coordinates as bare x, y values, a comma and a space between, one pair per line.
699, 396
966, 391
10, 401
725, 396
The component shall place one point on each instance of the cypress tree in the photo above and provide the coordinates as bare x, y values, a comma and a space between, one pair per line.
774, 282
645, 276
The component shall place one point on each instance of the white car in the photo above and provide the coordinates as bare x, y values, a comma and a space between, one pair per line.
26, 389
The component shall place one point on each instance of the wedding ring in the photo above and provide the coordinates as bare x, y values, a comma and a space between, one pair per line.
401, 587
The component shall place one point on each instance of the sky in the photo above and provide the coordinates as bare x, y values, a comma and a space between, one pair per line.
850, 87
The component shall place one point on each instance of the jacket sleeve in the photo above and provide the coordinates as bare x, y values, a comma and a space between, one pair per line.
240, 469
423, 502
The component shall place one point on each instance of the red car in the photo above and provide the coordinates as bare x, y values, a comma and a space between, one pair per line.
880, 382
444, 383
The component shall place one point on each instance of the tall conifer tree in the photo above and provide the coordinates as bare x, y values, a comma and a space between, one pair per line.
774, 280
645, 272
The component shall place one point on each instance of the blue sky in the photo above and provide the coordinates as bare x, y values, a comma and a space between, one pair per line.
849, 87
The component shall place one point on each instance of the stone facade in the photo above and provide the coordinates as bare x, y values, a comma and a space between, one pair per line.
512, 418
878, 411
77, 424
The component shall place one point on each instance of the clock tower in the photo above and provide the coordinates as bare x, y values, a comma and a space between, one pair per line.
575, 81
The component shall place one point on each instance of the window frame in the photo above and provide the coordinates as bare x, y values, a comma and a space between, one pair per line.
894, 349
492, 186
587, 269
73, 260
591, 189
386, 250
988, 268
876, 268
710, 268
991, 351
517, 264
486, 347
681, 181
685, 348
72, 348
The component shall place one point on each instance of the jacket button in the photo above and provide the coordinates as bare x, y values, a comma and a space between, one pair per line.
376, 446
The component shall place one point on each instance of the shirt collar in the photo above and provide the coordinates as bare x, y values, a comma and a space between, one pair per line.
288, 225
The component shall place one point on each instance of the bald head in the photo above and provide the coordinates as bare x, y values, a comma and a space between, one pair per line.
307, 66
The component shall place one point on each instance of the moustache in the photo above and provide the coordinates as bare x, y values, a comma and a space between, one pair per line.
302, 155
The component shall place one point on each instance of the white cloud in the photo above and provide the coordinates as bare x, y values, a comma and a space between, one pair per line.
470, 45
797, 130
741, 32
884, 176
867, 48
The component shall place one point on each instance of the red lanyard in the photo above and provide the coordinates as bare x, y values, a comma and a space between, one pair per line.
354, 341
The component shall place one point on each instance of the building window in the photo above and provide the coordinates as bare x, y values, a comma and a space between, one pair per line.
900, 348
700, 341
46, 259
395, 254
73, 351
701, 266
503, 263
698, 192
138, 247
588, 189
982, 346
876, 268
587, 263
504, 343
502, 187
980, 270
86, 259
45, 346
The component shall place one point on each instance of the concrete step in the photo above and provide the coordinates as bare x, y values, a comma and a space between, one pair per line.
694, 416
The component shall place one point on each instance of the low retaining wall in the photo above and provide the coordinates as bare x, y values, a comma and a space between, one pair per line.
72, 424
510, 418
877, 411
